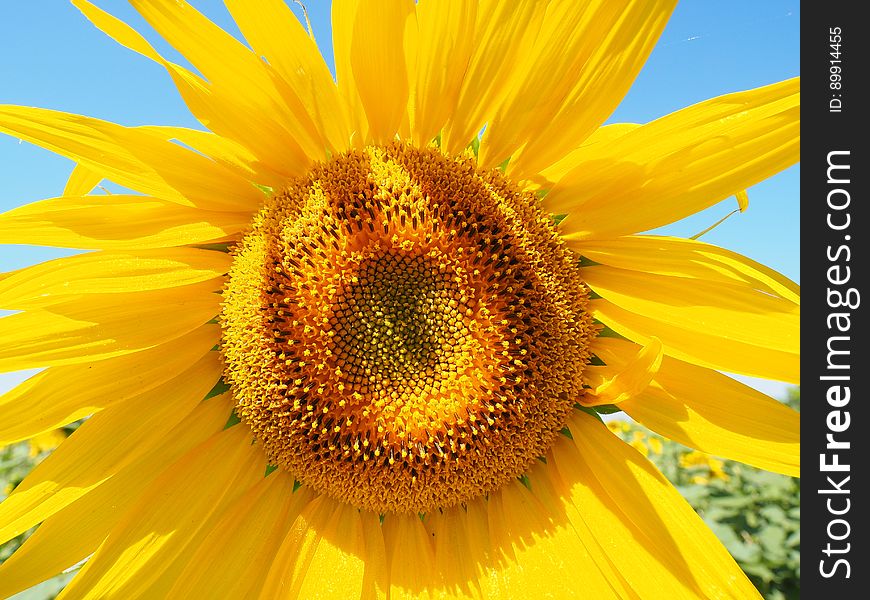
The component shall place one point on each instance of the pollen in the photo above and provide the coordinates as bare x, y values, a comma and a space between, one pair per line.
404, 331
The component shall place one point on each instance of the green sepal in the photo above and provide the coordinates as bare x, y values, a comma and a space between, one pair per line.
589, 411
219, 388
233, 420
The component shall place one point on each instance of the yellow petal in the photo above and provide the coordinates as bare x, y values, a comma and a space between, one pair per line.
343, 19
742, 200
231, 68
144, 554
411, 558
606, 134
680, 164
454, 557
380, 66
221, 108
81, 181
232, 561
503, 34
275, 33
446, 39
584, 60
661, 545
616, 41
225, 151
707, 306
115, 222
133, 157
90, 329
68, 278
77, 530
697, 347
534, 550
626, 380
714, 413
690, 259
96, 450
323, 556
60, 395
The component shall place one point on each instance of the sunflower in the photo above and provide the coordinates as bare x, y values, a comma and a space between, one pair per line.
342, 345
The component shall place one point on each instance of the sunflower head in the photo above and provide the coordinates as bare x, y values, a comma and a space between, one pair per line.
403, 330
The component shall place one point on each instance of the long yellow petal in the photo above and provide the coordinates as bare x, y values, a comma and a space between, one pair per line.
275, 33
445, 43
454, 557
714, 413
234, 559
504, 33
77, 530
134, 158
230, 154
233, 69
679, 164
692, 259
411, 558
96, 450
606, 134
381, 30
585, 58
343, 18
220, 108
619, 48
702, 321
641, 520
144, 554
115, 222
90, 329
60, 395
534, 551
323, 556
67, 278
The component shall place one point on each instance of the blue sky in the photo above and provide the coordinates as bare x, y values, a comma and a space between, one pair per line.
50, 56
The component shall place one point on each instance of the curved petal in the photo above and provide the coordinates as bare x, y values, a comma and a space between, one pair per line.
702, 319
60, 395
446, 39
74, 532
714, 413
117, 222
134, 158
639, 519
585, 58
141, 555
68, 278
233, 560
679, 164
96, 450
81, 181
325, 555
220, 106
687, 258
84, 330
613, 384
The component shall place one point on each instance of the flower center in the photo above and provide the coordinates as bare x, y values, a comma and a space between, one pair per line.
403, 331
